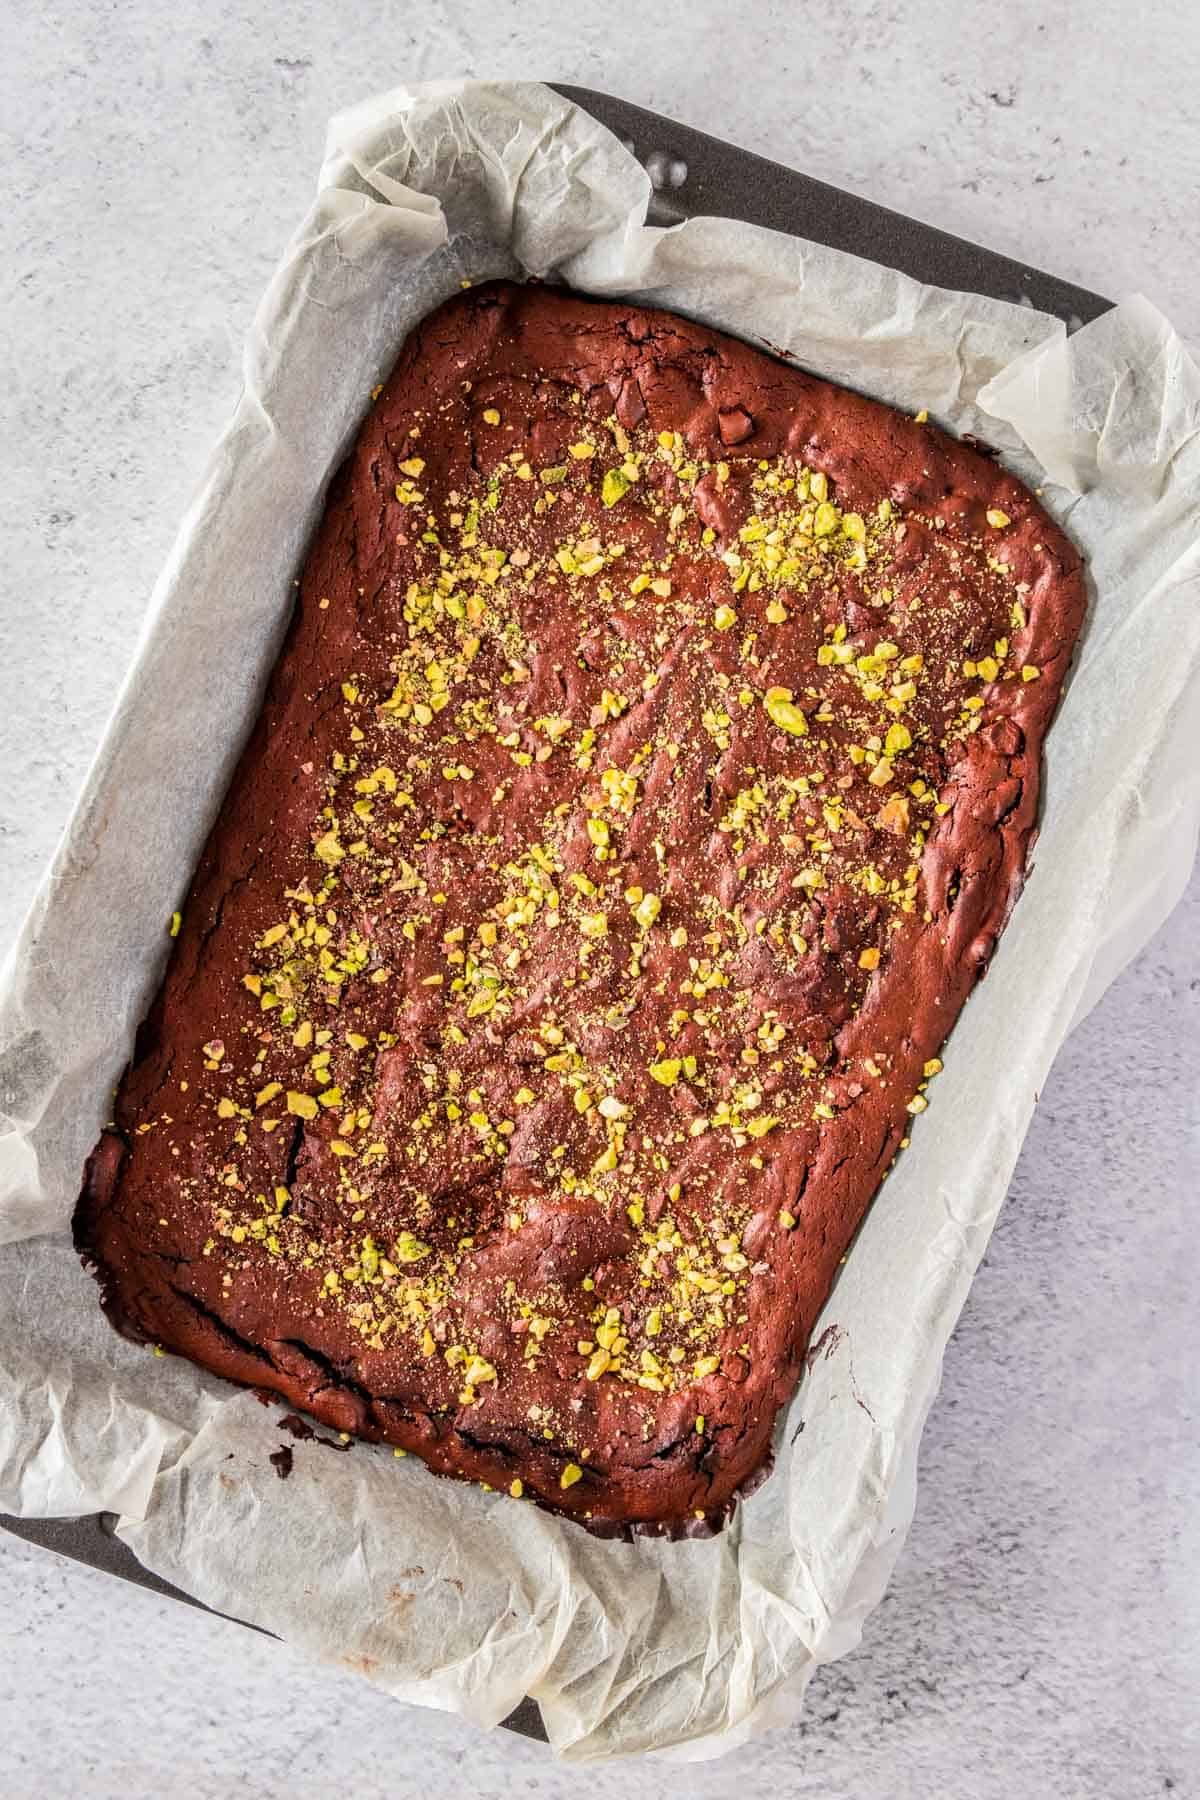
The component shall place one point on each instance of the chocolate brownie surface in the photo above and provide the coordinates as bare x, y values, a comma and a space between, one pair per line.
649, 769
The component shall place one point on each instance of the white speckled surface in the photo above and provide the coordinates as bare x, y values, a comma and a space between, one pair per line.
1042, 1635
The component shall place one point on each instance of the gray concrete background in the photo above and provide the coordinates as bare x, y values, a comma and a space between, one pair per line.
1042, 1634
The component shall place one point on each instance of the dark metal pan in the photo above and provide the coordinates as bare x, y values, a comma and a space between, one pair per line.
695, 175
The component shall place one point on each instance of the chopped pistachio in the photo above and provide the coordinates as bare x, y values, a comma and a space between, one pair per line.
782, 712
614, 487
409, 1249
647, 910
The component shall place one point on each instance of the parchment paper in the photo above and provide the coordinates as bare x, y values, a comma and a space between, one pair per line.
444, 1594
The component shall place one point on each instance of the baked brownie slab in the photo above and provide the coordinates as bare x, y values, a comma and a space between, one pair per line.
650, 767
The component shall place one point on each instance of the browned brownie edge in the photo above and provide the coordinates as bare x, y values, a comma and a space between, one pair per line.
973, 866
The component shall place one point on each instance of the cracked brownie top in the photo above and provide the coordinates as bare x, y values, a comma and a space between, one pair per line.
649, 768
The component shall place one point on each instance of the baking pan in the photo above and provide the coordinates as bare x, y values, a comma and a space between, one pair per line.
693, 174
